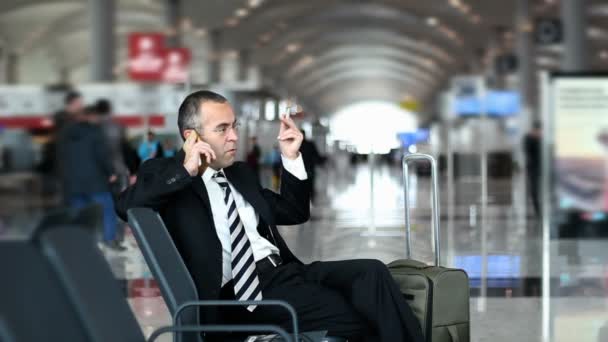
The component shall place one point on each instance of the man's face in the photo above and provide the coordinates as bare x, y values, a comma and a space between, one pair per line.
76, 105
219, 131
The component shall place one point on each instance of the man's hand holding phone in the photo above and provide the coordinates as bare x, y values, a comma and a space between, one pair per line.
198, 154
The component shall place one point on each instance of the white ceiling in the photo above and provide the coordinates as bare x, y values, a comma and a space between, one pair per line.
386, 48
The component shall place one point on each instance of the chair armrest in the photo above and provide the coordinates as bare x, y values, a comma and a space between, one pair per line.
220, 328
281, 303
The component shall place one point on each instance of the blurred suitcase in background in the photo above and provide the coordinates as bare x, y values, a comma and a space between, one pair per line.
439, 296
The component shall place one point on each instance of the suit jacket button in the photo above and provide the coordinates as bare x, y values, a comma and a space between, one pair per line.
171, 181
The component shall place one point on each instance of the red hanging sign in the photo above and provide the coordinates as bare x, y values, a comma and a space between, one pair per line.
177, 65
146, 56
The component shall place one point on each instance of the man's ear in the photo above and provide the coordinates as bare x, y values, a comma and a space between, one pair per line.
188, 132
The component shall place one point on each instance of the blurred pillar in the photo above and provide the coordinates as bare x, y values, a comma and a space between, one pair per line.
215, 42
12, 67
173, 14
525, 57
574, 21
64, 75
493, 77
244, 63
3, 67
102, 17
277, 107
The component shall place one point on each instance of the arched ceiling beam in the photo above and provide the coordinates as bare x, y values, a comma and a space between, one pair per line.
385, 54
318, 15
325, 74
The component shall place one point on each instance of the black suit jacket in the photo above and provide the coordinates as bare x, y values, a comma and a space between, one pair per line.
182, 201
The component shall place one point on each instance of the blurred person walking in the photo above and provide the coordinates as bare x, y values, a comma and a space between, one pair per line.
312, 158
50, 165
253, 157
150, 148
87, 171
533, 152
275, 163
73, 108
169, 149
114, 134
132, 159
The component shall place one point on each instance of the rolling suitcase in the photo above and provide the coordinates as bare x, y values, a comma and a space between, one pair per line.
438, 296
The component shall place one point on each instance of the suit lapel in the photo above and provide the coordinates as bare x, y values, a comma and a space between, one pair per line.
250, 193
199, 188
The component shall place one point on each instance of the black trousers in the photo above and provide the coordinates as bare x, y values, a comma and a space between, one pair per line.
355, 299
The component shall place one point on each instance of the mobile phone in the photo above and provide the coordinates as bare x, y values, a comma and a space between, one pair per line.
202, 163
292, 109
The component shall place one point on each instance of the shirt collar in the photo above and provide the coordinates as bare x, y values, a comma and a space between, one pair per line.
208, 174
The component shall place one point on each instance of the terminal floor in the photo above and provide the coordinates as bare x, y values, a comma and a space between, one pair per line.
360, 215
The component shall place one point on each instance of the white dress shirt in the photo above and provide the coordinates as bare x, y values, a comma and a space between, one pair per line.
261, 247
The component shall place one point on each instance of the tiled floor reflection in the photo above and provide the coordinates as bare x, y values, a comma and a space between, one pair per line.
355, 218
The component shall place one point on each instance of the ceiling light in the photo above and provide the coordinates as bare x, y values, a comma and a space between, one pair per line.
455, 3
596, 32
201, 32
308, 59
231, 22
186, 24
255, 3
304, 62
232, 54
241, 12
432, 21
526, 27
293, 47
545, 61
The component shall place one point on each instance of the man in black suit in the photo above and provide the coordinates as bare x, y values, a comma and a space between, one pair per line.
224, 226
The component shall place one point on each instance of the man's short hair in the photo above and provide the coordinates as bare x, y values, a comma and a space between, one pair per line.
537, 124
103, 107
188, 116
71, 96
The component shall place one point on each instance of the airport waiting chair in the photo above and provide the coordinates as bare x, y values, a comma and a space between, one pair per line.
33, 302
93, 296
166, 265
82, 269
174, 279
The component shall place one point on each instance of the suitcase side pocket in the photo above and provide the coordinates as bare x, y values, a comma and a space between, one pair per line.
417, 290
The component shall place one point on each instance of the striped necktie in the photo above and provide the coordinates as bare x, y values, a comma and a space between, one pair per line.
244, 274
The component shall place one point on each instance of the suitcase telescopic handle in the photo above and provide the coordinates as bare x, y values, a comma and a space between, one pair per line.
434, 204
